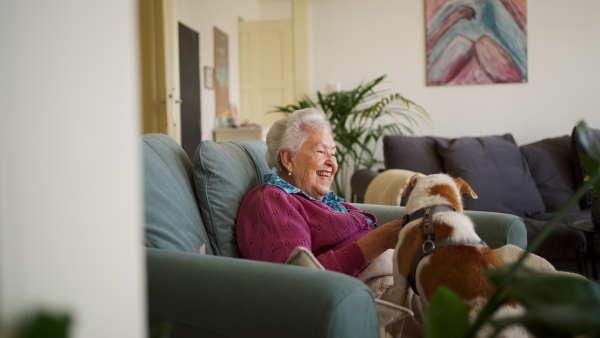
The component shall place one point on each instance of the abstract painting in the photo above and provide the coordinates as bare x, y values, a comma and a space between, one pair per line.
476, 41
221, 73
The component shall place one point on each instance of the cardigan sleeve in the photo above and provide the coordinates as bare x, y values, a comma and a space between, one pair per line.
272, 223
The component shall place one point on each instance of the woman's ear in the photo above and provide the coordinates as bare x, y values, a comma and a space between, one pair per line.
286, 159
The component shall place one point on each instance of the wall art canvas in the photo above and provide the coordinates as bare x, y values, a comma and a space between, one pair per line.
476, 41
221, 75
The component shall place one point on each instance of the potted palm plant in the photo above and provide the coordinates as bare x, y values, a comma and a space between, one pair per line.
359, 118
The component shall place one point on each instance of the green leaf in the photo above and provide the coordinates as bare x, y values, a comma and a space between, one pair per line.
162, 330
446, 316
590, 152
588, 142
44, 324
555, 306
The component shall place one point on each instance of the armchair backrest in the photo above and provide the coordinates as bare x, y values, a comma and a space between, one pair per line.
223, 174
192, 207
172, 218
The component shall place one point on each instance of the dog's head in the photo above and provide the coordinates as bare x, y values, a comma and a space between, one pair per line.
438, 189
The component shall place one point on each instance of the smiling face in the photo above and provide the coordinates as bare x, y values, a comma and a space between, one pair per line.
314, 166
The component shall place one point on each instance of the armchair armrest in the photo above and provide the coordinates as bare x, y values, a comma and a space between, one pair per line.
213, 296
496, 229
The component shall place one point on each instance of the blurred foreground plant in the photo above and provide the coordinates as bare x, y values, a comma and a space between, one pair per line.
555, 305
44, 324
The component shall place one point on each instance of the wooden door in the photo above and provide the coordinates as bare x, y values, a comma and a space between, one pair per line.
266, 69
189, 79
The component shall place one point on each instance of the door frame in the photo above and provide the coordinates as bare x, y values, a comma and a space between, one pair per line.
160, 68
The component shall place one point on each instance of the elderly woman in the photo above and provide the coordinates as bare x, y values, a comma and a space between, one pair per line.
296, 207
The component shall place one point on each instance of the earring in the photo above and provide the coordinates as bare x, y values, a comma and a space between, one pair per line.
289, 173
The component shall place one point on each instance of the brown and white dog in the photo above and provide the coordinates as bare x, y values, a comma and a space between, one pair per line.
438, 245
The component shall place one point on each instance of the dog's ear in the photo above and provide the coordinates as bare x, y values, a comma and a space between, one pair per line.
464, 187
411, 183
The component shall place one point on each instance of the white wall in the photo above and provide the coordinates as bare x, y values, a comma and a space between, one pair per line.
275, 9
70, 175
202, 16
356, 40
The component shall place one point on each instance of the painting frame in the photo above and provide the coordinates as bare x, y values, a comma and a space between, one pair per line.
476, 42
221, 73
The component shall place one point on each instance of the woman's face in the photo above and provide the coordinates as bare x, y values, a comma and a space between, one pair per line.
314, 166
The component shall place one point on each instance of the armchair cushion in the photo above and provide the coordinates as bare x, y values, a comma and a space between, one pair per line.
493, 164
223, 174
171, 212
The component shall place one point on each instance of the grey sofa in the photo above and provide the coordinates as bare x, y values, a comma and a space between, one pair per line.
531, 181
196, 278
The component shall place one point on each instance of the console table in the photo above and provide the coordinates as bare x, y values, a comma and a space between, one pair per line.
239, 134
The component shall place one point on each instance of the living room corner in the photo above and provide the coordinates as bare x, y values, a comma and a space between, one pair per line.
72, 155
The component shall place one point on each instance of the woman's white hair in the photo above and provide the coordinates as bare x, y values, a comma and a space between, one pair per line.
290, 133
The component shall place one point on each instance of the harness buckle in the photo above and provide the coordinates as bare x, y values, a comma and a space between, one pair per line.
428, 247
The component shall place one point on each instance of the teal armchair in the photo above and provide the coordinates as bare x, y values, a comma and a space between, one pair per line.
196, 279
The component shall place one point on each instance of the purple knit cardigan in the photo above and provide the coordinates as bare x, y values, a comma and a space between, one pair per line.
272, 222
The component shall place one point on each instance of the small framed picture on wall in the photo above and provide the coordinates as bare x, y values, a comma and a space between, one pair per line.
209, 77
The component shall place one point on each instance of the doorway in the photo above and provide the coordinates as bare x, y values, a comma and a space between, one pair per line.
189, 81
266, 69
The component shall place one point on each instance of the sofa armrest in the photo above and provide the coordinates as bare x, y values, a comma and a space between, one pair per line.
212, 296
496, 229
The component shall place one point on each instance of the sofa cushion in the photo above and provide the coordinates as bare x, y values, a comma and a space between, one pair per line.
223, 174
494, 168
412, 153
551, 166
580, 171
172, 218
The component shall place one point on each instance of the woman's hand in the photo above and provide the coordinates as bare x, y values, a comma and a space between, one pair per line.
380, 239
